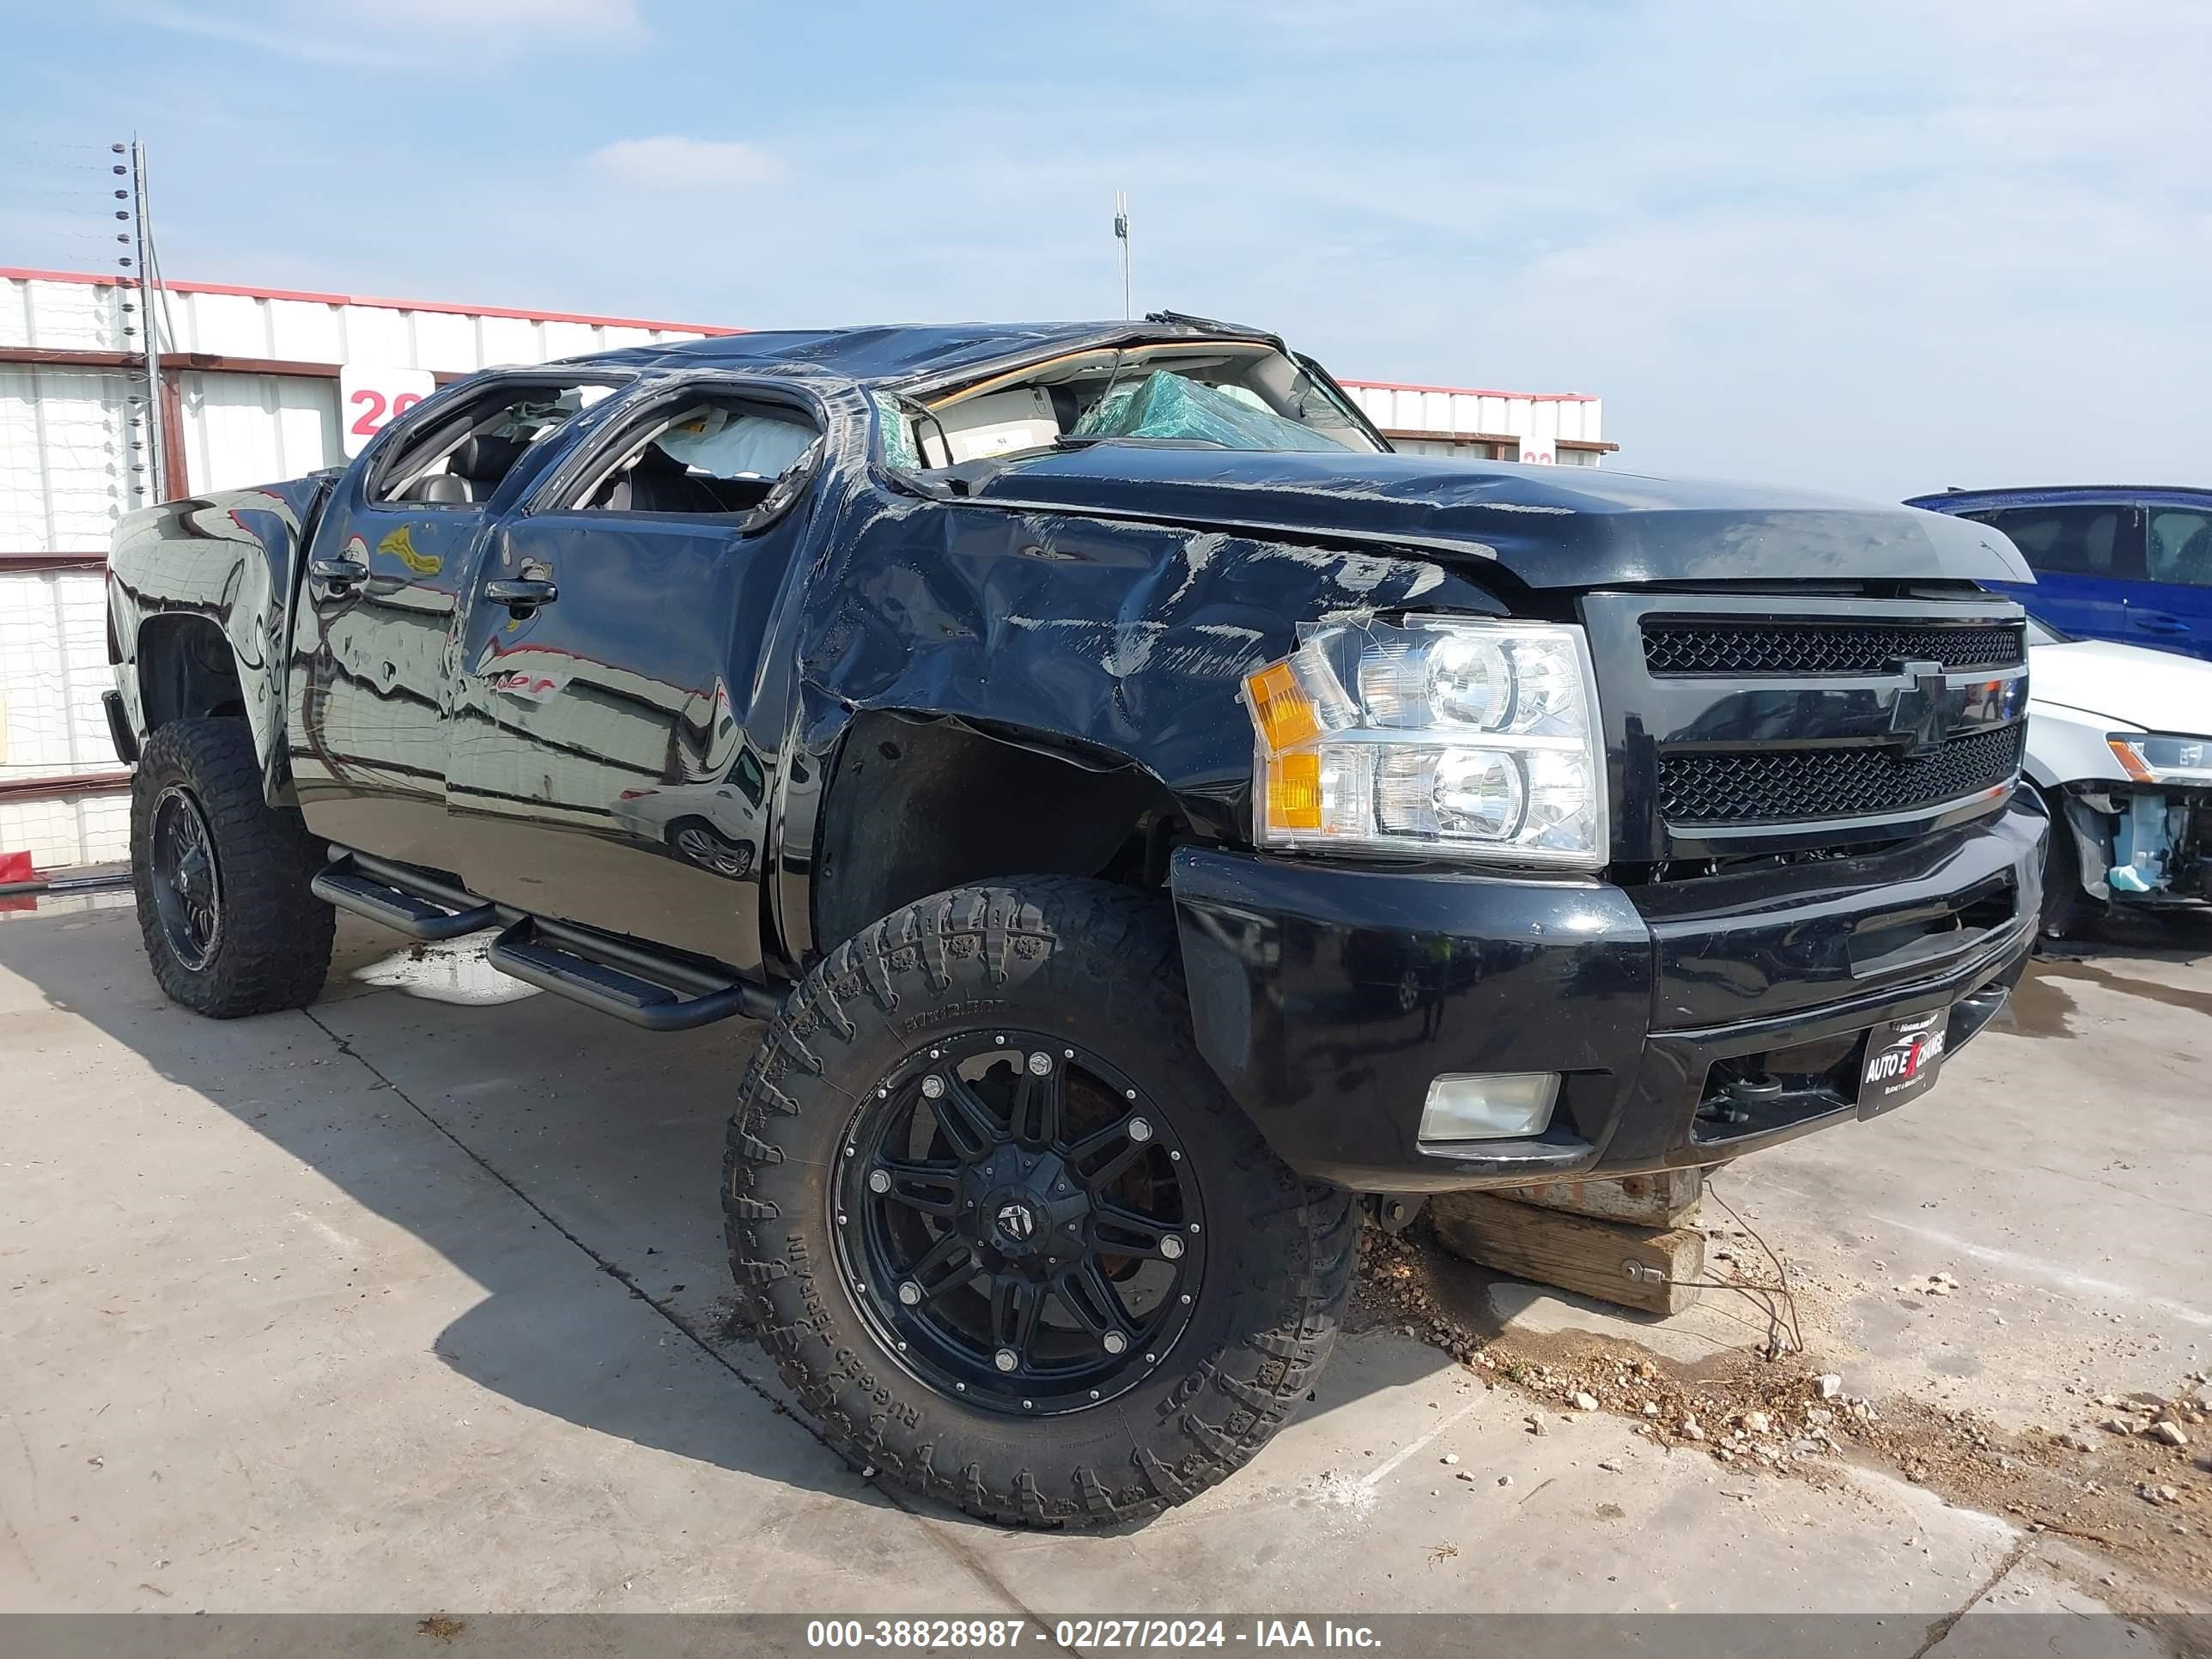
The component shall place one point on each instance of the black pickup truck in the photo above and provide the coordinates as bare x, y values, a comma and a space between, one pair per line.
1146, 812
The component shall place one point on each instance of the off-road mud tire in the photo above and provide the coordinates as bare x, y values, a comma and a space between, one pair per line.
1101, 965
273, 951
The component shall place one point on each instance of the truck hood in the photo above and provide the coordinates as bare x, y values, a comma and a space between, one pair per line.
2126, 684
1550, 527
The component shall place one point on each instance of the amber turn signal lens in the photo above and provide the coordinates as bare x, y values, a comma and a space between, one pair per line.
1280, 709
1294, 792
2130, 762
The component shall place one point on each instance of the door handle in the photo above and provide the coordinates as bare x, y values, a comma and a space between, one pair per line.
338, 574
2155, 623
521, 593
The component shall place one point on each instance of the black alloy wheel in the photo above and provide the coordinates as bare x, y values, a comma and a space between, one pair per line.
1018, 1224
187, 885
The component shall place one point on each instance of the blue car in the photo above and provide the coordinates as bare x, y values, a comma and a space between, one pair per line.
2123, 562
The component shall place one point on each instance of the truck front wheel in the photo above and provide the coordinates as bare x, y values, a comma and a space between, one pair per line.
221, 876
1002, 1230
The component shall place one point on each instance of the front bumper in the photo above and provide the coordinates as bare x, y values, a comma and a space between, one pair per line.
1327, 997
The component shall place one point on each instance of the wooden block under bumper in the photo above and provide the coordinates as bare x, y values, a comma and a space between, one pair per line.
1611, 1260
1666, 1199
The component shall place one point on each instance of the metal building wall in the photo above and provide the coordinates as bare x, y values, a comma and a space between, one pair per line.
1562, 427
68, 470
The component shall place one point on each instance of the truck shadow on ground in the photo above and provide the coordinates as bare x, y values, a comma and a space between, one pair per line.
611, 1136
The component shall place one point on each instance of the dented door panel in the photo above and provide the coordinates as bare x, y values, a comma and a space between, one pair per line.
601, 768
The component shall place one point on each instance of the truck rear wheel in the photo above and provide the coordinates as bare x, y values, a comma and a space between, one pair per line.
221, 876
1002, 1230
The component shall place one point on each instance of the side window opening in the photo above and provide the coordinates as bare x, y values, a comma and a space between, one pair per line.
2070, 540
2181, 546
712, 456
1229, 394
465, 455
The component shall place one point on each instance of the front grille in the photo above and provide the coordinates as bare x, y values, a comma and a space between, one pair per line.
1780, 785
1673, 648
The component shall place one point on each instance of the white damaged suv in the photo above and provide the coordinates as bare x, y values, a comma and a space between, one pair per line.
2119, 741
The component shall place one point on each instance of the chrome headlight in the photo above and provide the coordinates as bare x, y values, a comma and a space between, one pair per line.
1441, 737
2154, 758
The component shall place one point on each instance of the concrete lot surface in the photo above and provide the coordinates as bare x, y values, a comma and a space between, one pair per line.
416, 1301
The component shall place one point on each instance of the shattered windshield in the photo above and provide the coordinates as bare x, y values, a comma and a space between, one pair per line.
1230, 394
1169, 406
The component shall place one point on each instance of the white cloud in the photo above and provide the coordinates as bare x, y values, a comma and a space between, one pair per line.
669, 162
522, 17
388, 34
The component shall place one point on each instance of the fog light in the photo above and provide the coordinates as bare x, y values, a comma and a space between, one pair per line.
1488, 1105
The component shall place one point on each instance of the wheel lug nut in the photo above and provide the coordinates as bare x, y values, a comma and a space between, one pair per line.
932, 1087
1005, 1359
1039, 1063
1140, 1129
879, 1181
910, 1294
1171, 1248
1115, 1342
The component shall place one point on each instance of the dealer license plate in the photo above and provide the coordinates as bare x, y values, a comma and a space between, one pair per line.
1902, 1059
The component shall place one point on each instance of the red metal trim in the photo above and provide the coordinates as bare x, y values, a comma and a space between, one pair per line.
312, 297
66, 357
1584, 443
1455, 391
1431, 435
215, 362
210, 362
52, 787
89, 278
30, 563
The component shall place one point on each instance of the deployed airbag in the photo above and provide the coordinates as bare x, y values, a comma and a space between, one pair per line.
743, 446
1166, 405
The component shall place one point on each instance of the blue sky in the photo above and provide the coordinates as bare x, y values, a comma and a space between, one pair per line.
1877, 247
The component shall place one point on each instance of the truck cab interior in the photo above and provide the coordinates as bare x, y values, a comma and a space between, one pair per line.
467, 456
713, 455
704, 455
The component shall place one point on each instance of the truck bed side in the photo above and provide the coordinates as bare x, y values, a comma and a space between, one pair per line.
199, 597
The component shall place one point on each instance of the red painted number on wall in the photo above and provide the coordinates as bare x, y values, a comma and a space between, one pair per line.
374, 411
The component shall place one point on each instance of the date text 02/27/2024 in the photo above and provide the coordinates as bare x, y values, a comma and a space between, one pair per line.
1085, 1634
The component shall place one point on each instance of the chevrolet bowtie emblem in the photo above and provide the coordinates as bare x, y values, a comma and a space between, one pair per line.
1920, 718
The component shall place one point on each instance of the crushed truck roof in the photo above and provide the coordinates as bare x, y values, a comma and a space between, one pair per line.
902, 352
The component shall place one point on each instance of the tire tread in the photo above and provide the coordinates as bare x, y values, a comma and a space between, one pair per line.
274, 950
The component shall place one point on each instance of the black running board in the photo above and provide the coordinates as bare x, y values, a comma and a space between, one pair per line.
622, 979
633, 982
412, 901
